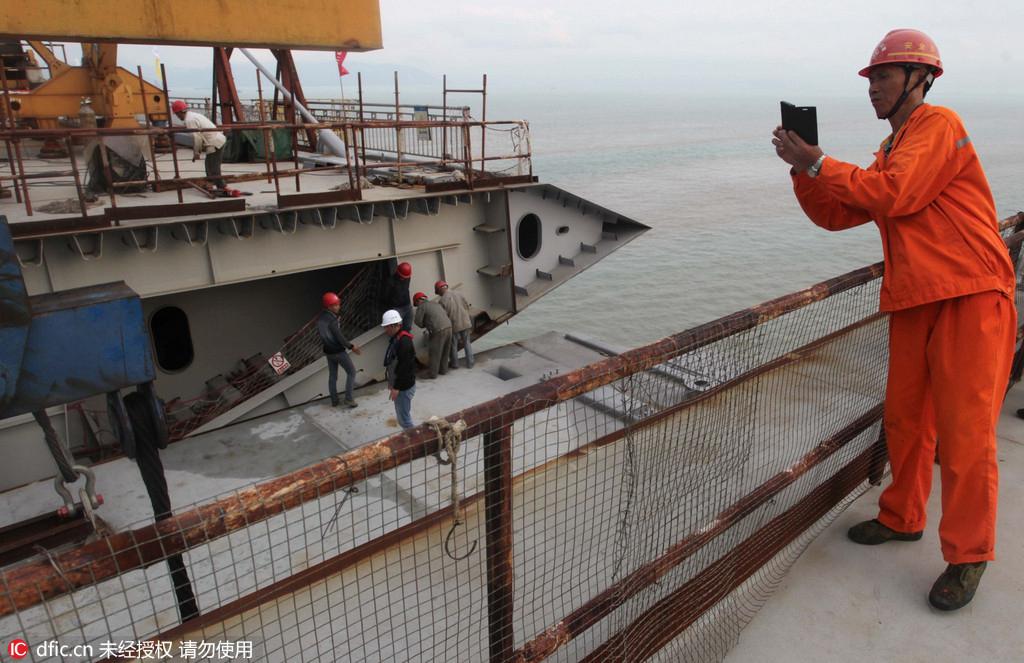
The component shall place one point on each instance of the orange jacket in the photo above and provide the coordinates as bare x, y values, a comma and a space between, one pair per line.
933, 207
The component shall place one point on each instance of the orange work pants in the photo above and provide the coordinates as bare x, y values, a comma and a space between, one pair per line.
949, 362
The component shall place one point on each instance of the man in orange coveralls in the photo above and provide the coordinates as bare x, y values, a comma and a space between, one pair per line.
948, 286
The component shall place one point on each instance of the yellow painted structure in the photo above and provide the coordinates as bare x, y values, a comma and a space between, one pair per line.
349, 25
114, 92
55, 64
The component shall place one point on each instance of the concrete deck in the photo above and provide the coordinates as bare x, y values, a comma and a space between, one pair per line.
843, 602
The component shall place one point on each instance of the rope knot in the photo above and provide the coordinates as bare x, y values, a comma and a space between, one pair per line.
449, 438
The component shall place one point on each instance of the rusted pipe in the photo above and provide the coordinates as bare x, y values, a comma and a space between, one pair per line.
170, 128
25, 198
267, 136
149, 125
78, 181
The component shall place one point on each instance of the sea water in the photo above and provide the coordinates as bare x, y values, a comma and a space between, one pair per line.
726, 231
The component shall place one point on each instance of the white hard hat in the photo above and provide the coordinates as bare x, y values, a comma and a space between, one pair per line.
391, 317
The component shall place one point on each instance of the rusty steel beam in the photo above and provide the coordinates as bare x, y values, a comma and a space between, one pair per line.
320, 198
607, 601
500, 568
65, 225
289, 77
224, 85
174, 209
665, 620
36, 581
22, 540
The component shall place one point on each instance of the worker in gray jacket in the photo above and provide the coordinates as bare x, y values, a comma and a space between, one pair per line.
457, 308
432, 317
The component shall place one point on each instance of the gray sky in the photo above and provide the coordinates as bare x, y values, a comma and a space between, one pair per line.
801, 48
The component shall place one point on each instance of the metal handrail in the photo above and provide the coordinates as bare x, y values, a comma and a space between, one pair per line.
379, 137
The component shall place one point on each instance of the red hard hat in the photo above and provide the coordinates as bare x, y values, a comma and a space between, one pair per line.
179, 106
417, 297
404, 270
906, 47
439, 285
330, 299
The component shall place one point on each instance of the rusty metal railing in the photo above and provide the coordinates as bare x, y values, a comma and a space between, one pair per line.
372, 147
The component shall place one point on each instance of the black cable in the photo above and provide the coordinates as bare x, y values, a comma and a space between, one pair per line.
147, 456
57, 450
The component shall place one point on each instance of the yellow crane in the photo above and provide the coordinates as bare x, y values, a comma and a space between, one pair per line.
116, 93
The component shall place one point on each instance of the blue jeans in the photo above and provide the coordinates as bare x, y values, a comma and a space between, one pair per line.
332, 376
403, 407
464, 335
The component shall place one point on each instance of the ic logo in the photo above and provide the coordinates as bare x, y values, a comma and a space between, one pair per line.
17, 649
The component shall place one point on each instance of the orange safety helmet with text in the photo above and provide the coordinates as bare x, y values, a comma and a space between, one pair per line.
179, 106
404, 270
418, 297
906, 46
330, 299
438, 286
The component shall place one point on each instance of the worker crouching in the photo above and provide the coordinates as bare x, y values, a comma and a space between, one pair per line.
208, 143
430, 316
457, 308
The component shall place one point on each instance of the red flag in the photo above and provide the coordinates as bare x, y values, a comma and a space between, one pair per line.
340, 57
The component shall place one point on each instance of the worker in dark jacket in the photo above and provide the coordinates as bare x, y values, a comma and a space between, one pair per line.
335, 349
396, 294
432, 317
400, 365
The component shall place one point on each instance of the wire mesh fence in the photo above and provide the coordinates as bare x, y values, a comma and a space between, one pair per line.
640, 507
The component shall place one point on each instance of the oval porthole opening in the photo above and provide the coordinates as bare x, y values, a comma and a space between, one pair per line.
172, 339
562, 230
528, 236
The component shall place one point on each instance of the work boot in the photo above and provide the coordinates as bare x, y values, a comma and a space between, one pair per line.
873, 532
349, 403
956, 586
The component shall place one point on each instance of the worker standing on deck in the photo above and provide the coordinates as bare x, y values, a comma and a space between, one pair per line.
457, 308
430, 316
948, 286
396, 294
208, 143
336, 349
400, 367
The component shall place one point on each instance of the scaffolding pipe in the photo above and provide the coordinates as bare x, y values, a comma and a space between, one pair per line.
329, 139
